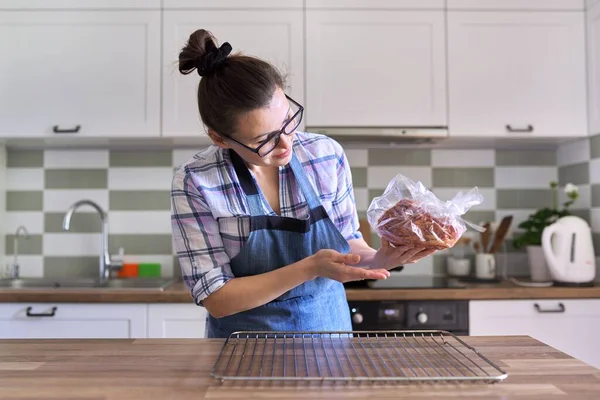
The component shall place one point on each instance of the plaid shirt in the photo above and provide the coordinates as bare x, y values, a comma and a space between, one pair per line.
210, 214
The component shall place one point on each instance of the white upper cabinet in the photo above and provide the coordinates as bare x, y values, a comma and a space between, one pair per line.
374, 4
79, 73
516, 5
78, 4
591, 3
593, 26
275, 36
375, 68
245, 4
517, 74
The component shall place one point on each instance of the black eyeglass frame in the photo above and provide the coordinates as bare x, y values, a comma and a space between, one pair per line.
277, 134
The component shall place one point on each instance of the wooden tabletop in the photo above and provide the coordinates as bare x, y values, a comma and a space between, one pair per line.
180, 369
178, 293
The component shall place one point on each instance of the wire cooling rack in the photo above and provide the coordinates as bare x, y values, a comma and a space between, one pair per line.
409, 356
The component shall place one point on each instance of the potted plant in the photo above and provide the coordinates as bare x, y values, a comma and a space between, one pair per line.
530, 236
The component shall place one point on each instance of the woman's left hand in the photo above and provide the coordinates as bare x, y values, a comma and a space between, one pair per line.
390, 257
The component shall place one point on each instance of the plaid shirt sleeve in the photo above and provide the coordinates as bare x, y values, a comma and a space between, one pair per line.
196, 239
344, 204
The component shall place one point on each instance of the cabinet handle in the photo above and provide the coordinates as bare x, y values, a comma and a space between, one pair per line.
49, 314
57, 129
561, 309
527, 129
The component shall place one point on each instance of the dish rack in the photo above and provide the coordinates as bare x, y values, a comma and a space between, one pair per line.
389, 356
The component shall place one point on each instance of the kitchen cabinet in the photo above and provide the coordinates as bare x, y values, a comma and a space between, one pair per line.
375, 68
176, 320
373, 4
525, 5
80, 73
220, 4
78, 4
593, 37
570, 326
591, 3
517, 74
72, 320
274, 35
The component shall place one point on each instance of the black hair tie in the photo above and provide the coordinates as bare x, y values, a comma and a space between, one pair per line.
211, 60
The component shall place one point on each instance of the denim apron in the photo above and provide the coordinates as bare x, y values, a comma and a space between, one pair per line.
274, 242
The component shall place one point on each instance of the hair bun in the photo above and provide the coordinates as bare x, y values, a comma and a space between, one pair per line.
211, 60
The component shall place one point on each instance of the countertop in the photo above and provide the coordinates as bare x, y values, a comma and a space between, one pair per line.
127, 369
177, 293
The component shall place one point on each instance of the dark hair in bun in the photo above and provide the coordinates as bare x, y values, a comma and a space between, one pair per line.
231, 84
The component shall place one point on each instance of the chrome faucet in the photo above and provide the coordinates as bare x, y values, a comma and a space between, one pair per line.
106, 263
13, 270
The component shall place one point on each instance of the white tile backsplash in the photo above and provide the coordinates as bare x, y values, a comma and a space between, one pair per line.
72, 244
574, 152
59, 200
182, 155
25, 179
76, 159
524, 177
380, 177
361, 197
147, 178
32, 220
462, 158
595, 170
357, 158
142, 222
489, 196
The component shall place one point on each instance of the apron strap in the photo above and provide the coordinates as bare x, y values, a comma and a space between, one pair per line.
309, 192
248, 184
251, 190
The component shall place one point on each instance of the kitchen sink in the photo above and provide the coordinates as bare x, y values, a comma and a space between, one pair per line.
87, 283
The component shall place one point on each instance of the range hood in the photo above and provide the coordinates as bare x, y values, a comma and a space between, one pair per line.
409, 135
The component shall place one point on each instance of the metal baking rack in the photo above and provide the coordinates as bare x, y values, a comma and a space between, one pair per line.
389, 356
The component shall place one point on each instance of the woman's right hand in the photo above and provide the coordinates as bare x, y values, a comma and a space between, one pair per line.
335, 265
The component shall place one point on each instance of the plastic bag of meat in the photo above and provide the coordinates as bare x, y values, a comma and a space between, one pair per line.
409, 214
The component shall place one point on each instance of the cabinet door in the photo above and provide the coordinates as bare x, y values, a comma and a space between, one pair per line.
78, 4
570, 326
72, 321
375, 68
81, 73
593, 34
176, 321
275, 36
517, 74
525, 5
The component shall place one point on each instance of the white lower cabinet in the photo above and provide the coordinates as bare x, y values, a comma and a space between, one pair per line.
176, 320
570, 326
72, 321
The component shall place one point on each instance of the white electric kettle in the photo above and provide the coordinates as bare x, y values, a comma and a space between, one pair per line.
569, 250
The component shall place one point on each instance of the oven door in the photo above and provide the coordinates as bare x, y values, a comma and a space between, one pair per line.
451, 316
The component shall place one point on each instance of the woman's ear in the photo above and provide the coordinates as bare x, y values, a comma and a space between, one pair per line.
217, 139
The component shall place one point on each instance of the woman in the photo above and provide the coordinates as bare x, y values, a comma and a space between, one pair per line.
264, 222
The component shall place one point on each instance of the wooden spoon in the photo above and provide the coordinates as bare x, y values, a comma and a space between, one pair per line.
485, 237
501, 233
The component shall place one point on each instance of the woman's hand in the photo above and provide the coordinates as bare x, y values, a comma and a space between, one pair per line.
332, 264
388, 256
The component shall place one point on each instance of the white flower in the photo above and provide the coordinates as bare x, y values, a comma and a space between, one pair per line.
570, 188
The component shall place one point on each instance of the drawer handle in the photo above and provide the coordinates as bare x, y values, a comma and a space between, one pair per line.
527, 129
48, 314
561, 309
56, 129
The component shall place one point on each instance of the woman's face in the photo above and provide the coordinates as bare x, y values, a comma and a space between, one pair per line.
254, 127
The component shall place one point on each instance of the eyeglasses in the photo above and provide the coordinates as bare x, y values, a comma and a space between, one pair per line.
272, 140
